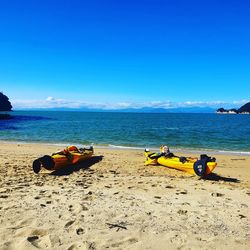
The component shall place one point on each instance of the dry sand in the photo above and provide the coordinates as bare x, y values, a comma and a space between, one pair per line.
115, 202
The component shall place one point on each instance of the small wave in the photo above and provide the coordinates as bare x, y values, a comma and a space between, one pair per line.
124, 147
112, 146
178, 149
234, 152
210, 151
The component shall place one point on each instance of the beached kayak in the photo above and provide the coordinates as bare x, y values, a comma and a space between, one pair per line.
201, 167
67, 157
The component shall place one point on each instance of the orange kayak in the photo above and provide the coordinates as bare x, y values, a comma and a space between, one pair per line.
69, 156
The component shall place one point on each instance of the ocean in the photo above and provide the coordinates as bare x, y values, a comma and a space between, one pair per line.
180, 131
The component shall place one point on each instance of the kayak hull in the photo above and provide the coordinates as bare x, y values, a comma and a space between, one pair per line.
68, 157
61, 161
188, 166
174, 162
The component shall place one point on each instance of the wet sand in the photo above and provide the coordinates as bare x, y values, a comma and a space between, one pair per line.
115, 202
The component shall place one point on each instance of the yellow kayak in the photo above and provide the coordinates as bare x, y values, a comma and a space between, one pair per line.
69, 156
201, 167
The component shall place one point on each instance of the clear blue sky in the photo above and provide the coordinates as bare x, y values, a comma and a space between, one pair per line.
125, 51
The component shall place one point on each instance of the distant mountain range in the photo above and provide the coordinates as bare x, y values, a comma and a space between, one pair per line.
137, 110
170, 110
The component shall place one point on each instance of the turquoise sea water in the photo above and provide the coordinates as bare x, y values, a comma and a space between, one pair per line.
179, 131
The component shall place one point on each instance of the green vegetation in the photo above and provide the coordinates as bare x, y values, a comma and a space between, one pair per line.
5, 105
245, 109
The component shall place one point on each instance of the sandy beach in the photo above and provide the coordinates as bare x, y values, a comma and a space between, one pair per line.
115, 202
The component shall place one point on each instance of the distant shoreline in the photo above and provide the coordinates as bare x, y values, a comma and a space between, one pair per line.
232, 113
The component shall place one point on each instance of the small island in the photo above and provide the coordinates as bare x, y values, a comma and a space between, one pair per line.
245, 109
5, 107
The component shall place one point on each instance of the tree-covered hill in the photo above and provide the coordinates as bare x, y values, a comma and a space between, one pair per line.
5, 104
245, 109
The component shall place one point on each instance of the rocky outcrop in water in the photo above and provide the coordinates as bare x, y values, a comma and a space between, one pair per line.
245, 109
5, 106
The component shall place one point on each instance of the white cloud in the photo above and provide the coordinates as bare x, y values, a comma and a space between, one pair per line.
51, 102
50, 98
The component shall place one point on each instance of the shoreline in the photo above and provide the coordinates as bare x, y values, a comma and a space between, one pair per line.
155, 149
232, 163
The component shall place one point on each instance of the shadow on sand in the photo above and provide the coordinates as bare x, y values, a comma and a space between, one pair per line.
86, 164
216, 177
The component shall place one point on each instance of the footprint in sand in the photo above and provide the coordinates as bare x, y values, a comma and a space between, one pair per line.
157, 197
242, 216
76, 209
217, 194
79, 231
181, 192
244, 205
69, 223
25, 223
124, 242
4, 196
186, 203
43, 242
32, 238
182, 212
80, 245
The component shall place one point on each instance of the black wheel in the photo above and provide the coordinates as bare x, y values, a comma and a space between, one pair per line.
47, 162
36, 166
200, 168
